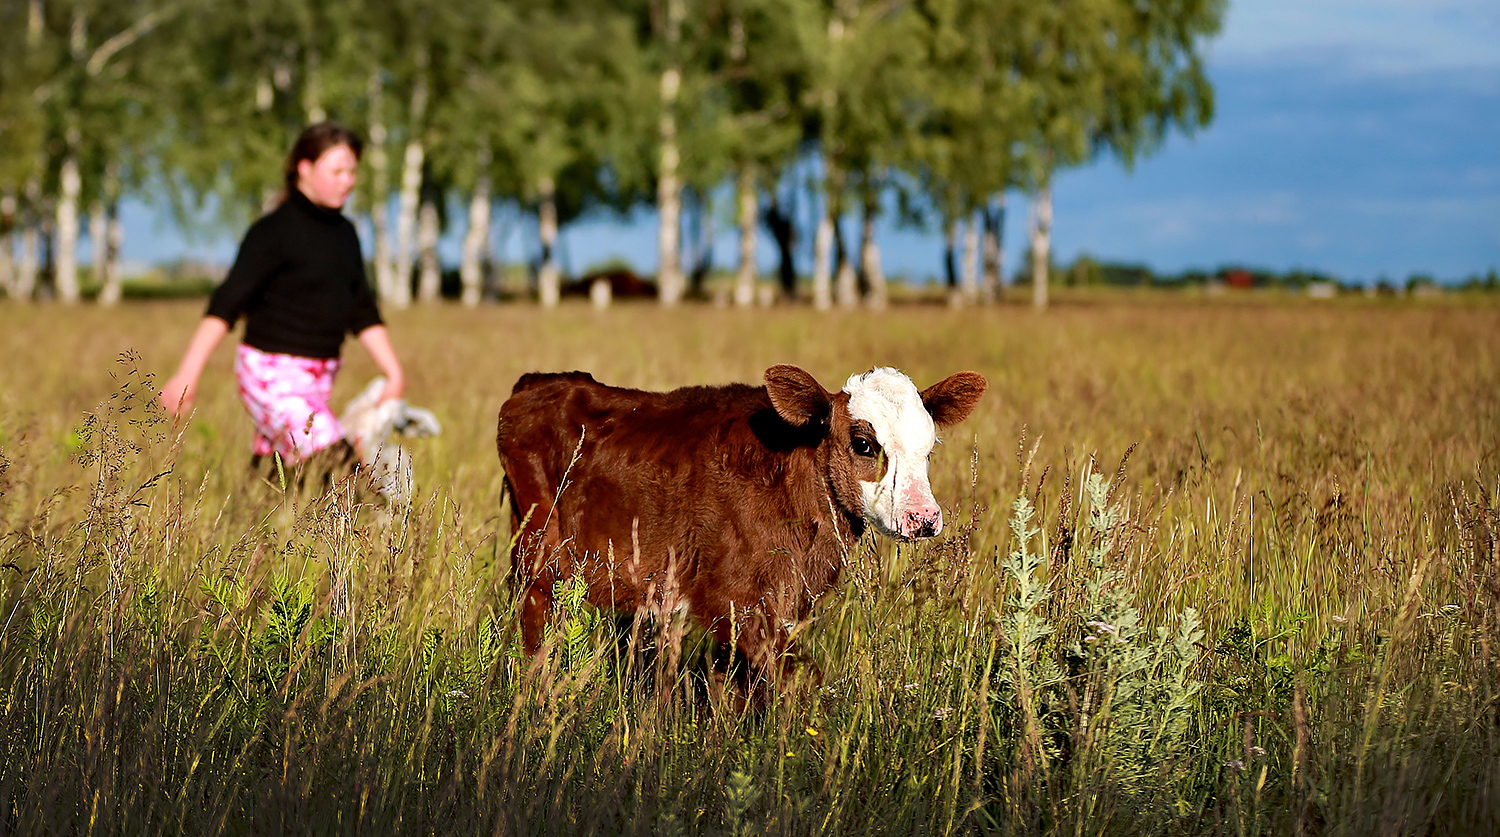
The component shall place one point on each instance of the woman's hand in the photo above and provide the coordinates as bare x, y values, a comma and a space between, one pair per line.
395, 388
182, 388
179, 394
377, 341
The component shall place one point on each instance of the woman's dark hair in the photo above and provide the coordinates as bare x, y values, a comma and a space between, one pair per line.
315, 140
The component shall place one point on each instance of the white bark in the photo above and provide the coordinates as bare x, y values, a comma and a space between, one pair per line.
411, 193
969, 270
98, 233
994, 253
380, 197
548, 280
29, 265
70, 186
312, 89
822, 262
670, 283
749, 212
669, 279
34, 23
430, 269
846, 282
114, 236
406, 223
869, 261
1041, 244
476, 238
105, 235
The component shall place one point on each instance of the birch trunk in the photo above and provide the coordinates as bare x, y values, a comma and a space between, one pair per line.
744, 278
70, 185
380, 196
669, 196
429, 268
823, 243
822, 262
312, 89
869, 259
98, 235
994, 253
476, 238
669, 279
548, 280
970, 267
407, 207
1041, 245
30, 260
114, 236
846, 282
411, 194
496, 269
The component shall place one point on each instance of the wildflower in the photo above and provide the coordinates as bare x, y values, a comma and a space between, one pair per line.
459, 694
910, 686
1104, 628
1339, 619
943, 713
1236, 765
811, 731
1257, 751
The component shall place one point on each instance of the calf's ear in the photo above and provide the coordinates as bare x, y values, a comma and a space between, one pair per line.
797, 396
950, 400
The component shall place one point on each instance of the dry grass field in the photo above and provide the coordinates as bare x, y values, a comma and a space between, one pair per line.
1213, 566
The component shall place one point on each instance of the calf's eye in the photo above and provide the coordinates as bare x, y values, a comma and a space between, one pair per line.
862, 446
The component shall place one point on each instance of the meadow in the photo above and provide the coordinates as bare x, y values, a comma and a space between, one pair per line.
1212, 566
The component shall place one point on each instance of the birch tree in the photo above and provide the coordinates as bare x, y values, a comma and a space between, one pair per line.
1113, 77
668, 17
24, 65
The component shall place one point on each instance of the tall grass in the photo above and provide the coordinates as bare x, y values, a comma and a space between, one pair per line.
1208, 569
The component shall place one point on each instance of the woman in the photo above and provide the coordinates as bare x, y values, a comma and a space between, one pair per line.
299, 280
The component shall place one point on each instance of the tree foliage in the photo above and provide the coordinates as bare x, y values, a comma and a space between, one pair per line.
946, 104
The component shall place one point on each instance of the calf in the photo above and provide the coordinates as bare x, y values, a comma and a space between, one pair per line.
739, 503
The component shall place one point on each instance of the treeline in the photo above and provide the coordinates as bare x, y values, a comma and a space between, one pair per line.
813, 112
1086, 271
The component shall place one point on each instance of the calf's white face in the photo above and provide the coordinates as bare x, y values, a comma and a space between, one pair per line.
900, 504
891, 428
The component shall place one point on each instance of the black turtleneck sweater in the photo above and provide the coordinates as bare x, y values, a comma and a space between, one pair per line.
299, 280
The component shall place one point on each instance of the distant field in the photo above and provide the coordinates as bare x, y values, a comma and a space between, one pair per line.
1315, 481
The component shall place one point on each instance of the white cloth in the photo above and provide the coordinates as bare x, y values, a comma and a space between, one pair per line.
369, 426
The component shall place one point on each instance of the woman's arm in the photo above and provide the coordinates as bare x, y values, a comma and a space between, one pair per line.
377, 341
182, 389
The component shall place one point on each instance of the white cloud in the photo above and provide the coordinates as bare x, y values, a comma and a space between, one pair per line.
1364, 36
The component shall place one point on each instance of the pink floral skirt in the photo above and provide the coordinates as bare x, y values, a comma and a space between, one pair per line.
287, 397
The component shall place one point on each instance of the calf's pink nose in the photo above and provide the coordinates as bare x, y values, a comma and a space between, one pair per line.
921, 523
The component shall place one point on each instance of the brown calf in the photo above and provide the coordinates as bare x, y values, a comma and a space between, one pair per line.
736, 502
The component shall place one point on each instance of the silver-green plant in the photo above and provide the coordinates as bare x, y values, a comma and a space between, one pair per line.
1026, 671
1140, 692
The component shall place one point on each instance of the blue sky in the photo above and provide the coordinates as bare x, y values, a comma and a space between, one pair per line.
1357, 137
